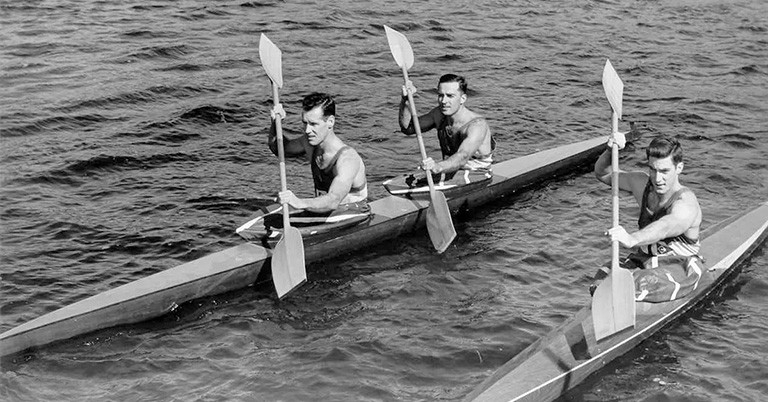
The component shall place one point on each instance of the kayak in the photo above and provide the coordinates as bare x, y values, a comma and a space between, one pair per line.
239, 266
569, 354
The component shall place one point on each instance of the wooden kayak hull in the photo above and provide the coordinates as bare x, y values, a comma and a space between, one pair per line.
239, 266
569, 354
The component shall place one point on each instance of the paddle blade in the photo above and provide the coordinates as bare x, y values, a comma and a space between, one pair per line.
271, 60
613, 304
439, 223
613, 87
400, 47
288, 271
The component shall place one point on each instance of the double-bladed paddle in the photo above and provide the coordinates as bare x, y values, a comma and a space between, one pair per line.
613, 303
288, 271
439, 222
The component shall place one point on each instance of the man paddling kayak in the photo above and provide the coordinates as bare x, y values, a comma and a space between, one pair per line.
465, 138
670, 217
337, 169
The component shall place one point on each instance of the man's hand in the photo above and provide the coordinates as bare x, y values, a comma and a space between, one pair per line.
620, 234
618, 138
277, 111
288, 197
408, 87
431, 165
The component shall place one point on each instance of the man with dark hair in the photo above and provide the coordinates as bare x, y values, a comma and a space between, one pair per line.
667, 241
337, 169
670, 214
465, 137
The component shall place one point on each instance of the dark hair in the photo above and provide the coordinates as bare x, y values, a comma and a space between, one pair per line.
454, 78
317, 99
663, 146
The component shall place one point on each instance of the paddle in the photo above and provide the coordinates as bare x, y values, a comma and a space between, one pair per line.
439, 223
288, 271
613, 304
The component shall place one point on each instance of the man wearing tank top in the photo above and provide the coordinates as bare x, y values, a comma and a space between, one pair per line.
465, 137
670, 214
337, 169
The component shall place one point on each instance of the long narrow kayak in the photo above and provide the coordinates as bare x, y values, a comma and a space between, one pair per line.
239, 266
569, 354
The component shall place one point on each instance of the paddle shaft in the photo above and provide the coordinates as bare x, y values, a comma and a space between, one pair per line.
615, 190
281, 155
417, 127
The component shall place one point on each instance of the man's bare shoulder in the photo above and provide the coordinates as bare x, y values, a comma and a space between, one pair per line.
476, 123
349, 155
688, 198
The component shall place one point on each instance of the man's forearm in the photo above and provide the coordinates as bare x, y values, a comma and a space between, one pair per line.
603, 165
654, 232
452, 163
323, 203
404, 116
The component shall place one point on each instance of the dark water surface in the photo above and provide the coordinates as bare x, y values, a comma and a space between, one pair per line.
132, 139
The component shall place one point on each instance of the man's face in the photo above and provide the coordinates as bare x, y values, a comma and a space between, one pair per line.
450, 98
664, 173
317, 128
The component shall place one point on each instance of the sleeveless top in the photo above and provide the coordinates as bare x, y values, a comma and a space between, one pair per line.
677, 245
324, 177
450, 141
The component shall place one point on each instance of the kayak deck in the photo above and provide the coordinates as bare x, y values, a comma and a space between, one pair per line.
239, 266
566, 356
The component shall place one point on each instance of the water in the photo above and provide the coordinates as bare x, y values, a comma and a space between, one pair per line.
133, 139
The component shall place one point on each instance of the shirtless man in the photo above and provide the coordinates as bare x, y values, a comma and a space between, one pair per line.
337, 169
670, 214
465, 138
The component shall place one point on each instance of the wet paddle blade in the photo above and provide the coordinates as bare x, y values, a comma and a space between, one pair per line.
400, 47
614, 88
439, 222
613, 304
288, 271
271, 60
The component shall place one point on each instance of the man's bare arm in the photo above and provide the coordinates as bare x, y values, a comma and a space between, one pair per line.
633, 182
293, 147
426, 121
474, 139
346, 169
682, 216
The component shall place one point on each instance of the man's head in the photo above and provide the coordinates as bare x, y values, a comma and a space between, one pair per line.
319, 115
451, 93
665, 162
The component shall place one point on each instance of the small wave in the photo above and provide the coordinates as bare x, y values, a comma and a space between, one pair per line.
441, 38
119, 162
156, 52
260, 4
739, 141
56, 123
209, 114
182, 67
35, 49
152, 94
148, 7
748, 70
172, 137
143, 33
71, 174
448, 57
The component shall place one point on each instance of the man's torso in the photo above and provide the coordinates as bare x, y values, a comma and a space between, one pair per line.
451, 134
